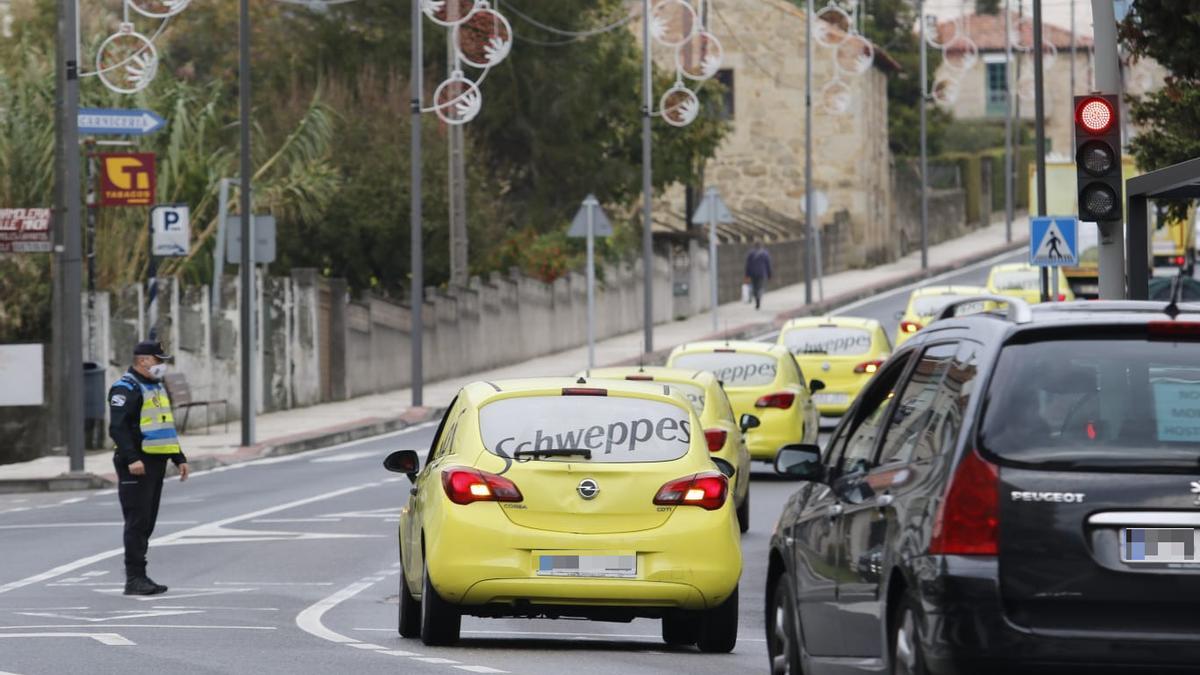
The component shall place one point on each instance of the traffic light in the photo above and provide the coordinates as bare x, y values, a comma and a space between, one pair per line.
1098, 157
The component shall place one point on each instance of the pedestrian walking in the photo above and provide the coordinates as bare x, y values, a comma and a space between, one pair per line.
758, 271
143, 429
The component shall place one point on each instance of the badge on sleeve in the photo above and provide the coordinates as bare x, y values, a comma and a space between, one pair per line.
118, 400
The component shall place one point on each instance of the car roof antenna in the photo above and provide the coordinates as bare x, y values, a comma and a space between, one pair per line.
1172, 308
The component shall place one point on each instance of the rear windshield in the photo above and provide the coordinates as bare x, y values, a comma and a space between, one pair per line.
693, 393
1104, 403
928, 305
732, 368
828, 340
616, 429
1017, 280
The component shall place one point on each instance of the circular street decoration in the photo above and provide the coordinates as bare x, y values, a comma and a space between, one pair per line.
441, 11
960, 52
836, 97
833, 25
457, 100
158, 9
673, 22
1049, 54
700, 57
945, 91
1025, 88
933, 36
1016, 38
679, 106
854, 55
126, 61
484, 39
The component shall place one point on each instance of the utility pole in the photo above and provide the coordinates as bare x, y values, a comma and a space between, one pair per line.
810, 231
647, 189
249, 400
1039, 114
417, 284
69, 389
1072, 49
1008, 124
924, 159
1108, 81
457, 177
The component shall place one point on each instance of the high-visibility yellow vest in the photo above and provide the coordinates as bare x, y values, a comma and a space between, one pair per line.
157, 423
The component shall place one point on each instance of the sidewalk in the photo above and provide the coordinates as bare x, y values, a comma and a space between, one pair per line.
301, 429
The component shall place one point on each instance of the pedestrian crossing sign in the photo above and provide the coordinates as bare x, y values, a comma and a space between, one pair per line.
1054, 241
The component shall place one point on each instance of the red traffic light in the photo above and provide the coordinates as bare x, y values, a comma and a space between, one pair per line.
1095, 115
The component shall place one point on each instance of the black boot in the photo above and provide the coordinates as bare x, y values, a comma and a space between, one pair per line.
143, 585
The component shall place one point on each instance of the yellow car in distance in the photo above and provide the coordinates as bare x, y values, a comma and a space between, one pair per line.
722, 432
763, 380
925, 303
1024, 281
843, 351
555, 498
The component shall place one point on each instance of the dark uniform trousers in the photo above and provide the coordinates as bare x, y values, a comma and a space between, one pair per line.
139, 497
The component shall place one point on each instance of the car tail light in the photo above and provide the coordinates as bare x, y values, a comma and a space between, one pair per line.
867, 367
968, 519
1179, 260
1062, 297
706, 490
466, 486
640, 378
1173, 330
584, 391
910, 326
715, 438
780, 399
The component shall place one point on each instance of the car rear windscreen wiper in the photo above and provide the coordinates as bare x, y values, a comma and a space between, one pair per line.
553, 452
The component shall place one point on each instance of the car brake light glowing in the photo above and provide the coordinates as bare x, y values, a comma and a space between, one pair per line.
715, 438
867, 367
910, 326
780, 399
968, 519
1179, 260
466, 486
706, 490
1173, 330
640, 378
1091, 431
1062, 297
584, 391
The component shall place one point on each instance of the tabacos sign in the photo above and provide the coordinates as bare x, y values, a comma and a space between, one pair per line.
127, 179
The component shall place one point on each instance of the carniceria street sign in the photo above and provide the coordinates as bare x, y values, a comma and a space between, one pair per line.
117, 122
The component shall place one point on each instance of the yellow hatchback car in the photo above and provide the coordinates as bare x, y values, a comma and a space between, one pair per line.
1024, 281
763, 380
560, 499
925, 303
722, 432
846, 351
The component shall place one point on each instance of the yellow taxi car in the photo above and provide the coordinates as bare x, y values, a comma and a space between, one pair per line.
722, 432
562, 497
1024, 281
763, 380
925, 303
846, 351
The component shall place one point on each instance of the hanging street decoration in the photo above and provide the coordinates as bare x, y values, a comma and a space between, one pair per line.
679, 105
836, 97
960, 53
672, 22
449, 13
158, 9
698, 57
126, 61
484, 39
833, 26
457, 100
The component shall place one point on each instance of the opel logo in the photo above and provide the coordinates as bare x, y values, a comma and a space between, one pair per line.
588, 488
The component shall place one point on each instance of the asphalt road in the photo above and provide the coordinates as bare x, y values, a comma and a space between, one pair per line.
289, 565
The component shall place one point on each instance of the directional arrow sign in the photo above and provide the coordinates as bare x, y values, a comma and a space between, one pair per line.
117, 122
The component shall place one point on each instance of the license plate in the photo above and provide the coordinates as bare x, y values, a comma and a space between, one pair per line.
1089, 289
1160, 545
830, 399
601, 566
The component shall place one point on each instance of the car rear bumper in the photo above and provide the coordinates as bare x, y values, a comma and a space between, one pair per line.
479, 557
965, 629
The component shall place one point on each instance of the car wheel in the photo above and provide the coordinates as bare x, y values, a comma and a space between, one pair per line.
743, 514
440, 620
680, 629
410, 611
906, 655
782, 646
719, 627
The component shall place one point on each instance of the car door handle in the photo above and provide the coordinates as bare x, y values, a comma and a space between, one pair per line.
834, 511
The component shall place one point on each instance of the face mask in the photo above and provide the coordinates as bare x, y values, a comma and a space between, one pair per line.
158, 370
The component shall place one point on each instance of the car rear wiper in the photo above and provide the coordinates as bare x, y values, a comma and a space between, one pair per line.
553, 452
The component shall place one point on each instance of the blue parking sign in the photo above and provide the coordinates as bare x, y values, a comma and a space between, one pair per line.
1054, 241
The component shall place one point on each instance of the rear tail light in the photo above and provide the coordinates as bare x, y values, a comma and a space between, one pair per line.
1173, 330
1062, 297
780, 399
910, 327
715, 438
867, 367
584, 391
1180, 260
466, 486
706, 490
640, 378
968, 519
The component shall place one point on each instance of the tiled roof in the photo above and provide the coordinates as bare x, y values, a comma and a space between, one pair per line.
987, 32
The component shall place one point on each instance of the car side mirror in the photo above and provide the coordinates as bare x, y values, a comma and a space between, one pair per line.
748, 422
815, 385
405, 462
801, 461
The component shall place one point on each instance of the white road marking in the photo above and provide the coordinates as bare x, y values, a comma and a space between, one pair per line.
110, 639
435, 660
181, 593
94, 573
309, 620
272, 583
133, 625
115, 616
107, 523
594, 636
217, 607
73, 500
480, 669
348, 457
296, 520
398, 652
88, 561
219, 534
366, 645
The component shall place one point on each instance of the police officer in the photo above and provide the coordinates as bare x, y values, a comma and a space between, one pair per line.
143, 429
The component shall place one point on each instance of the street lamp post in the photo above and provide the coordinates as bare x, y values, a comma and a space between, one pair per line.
924, 161
417, 284
247, 262
647, 195
809, 231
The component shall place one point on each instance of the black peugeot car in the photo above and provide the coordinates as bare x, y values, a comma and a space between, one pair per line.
1012, 491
